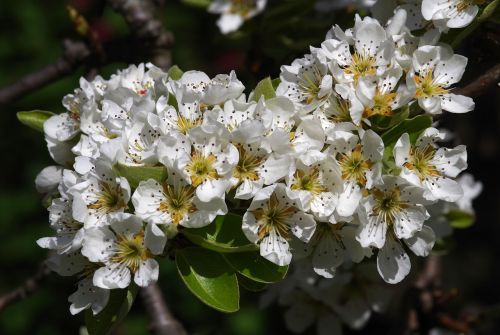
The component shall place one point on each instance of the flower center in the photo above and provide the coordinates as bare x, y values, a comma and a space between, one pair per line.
353, 166
309, 84
420, 162
426, 87
184, 124
179, 202
131, 251
464, 4
201, 168
273, 217
388, 204
109, 198
362, 65
338, 110
242, 7
382, 105
308, 182
247, 165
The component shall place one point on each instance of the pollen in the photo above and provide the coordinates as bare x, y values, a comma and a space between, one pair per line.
184, 124
109, 198
388, 204
308, 181
247, 165
178, 202
362, 65
131, 251
274, 217
201, 168
426, 87
382, 105
420, 162
353, 165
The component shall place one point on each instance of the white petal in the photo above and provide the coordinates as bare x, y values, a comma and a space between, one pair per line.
154, 238
275, 248
393, 263
112, 276
454, 103
422, 242
147, 273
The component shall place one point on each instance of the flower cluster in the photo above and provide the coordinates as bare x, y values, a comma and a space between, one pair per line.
309, 164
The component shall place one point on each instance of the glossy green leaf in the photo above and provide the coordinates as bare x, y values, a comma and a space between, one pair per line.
175, 72
253, 266
459, 219
120, 302
222, 235
414, 127
136, 174
209, 277
197, 3
34, 119
381, 123
250, 285
264, 88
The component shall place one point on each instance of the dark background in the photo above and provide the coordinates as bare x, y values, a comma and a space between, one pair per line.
31, 34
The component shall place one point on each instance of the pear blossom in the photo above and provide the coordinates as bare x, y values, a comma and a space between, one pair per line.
235, 12
435, 69
125, 248
271, 219
174, 202
394, 212
359, 162
451, 13
368, 51
429, 167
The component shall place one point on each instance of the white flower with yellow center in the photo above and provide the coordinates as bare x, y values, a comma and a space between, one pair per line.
435, 69
87, 296
335, 110
235, 12
450, 13
367, 52
429, 167
206, 161
380, 96
392, 212
270, 221
102, 193
306, 82
167, 118
330, 246
358, 161
315, 188
174, 202
126, 249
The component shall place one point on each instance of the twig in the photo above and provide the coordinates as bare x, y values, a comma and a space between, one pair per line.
29, 287
75, 53
162, 320
481, 84
145, 26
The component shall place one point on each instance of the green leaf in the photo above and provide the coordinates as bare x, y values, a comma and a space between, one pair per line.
459, 219
175, 72
34, 119
444, 246
136, 174
197, 3
253, 266
209, 277
119, 304
381, 123
222, 235
413, 127
250, 285
276, 82
264, 88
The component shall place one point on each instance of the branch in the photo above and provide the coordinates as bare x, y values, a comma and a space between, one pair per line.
145, 26
75, 53
29, 287
162, 320
481, 84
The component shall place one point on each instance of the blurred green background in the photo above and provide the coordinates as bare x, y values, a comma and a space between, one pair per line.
31, 37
